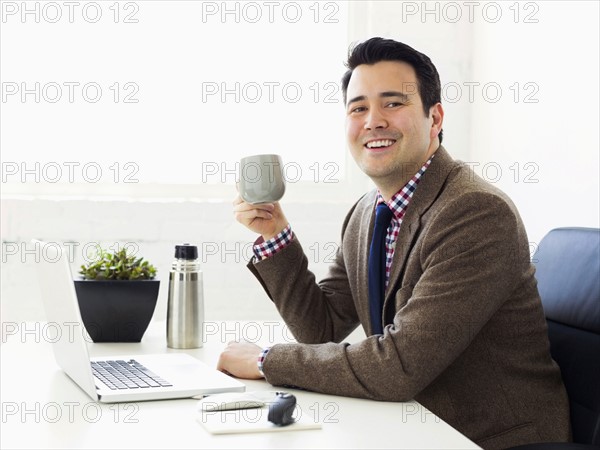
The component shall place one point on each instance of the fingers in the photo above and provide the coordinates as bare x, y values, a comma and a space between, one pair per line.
243, 206
237, 200
240, 205
249, 216
238, 359
245, 212
220, 365
227, 359
266, 219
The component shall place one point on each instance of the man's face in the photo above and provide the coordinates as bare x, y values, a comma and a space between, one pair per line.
388, 133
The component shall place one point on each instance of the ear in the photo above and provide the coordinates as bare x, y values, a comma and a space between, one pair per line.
436, 112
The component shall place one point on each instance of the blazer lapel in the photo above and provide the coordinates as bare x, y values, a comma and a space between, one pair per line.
427, 191
364, 242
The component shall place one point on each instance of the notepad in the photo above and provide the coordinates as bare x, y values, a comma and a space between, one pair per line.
253, 420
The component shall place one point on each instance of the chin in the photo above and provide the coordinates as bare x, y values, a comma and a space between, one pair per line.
376, 173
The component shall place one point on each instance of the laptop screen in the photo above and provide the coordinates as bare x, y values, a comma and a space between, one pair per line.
62, 312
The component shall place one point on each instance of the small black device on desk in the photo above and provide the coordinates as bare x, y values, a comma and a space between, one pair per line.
282, 409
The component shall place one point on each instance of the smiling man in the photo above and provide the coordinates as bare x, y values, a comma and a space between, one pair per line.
433, 264
390, 131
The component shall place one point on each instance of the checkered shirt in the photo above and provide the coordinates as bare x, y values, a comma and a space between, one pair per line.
398, 204
268, 248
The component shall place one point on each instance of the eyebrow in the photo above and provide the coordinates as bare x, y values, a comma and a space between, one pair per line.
401, 95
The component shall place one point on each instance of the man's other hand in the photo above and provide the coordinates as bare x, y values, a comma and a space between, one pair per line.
240, 359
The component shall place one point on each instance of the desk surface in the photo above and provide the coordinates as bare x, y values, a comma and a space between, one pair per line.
43, 408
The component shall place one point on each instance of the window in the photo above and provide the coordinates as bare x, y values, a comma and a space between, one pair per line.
161, 99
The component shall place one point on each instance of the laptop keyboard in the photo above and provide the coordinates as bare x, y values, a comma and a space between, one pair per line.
130, 374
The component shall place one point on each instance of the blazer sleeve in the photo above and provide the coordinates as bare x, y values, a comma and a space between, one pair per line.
470, 269
314, 312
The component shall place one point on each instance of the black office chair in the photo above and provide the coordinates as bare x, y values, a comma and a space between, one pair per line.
568, 272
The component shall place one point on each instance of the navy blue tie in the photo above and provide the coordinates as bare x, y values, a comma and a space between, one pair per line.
377, 257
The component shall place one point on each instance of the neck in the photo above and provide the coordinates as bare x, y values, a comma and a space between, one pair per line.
389, 186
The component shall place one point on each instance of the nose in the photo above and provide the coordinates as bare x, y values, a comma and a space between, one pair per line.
375, 119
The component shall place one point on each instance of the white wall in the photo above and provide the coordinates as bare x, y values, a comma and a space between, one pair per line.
559, 135
544, 154
154, 228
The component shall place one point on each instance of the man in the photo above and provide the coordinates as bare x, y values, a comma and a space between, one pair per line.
452, 312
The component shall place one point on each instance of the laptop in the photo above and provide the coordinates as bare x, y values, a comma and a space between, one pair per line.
120, 378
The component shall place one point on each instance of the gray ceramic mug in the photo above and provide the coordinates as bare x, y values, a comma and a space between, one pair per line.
261, 179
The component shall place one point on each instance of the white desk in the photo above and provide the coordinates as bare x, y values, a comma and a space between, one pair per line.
43, 408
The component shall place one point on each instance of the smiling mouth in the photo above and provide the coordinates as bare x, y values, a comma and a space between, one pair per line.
380, 144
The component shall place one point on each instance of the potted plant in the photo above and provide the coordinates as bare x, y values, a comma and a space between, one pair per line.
117, 296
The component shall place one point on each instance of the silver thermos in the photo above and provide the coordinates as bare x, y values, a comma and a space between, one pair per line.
185, 310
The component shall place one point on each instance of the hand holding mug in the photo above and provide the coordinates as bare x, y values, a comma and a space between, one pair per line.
261, 185
266, 219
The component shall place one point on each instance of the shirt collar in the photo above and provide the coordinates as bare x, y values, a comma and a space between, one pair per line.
400, 200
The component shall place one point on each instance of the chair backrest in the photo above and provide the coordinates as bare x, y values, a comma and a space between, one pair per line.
568, 272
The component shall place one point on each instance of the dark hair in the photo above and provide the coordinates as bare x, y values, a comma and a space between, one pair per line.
378, 49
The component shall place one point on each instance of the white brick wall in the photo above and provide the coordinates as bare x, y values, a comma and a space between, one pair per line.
231, 291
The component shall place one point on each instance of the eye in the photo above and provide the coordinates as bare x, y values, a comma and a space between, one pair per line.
393, 104
358, 109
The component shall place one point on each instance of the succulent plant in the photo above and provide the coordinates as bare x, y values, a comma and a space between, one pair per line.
118, 265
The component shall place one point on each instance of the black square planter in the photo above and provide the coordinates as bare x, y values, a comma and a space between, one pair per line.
116, 310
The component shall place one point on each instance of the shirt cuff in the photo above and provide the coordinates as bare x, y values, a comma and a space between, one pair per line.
266, 249
261, 360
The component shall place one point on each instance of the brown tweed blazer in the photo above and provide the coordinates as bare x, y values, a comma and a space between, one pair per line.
465, 333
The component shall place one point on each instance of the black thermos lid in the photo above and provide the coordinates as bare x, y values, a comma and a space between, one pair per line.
186, 251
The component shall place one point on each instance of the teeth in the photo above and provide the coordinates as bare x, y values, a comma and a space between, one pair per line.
381, 143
